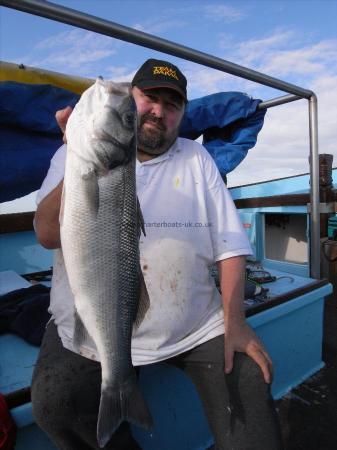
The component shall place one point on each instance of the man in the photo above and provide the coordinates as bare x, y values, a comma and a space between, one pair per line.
190, 222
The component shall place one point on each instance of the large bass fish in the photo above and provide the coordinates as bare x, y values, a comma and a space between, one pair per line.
100, 227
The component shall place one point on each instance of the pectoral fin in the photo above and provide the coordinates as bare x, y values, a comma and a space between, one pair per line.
81, 336
91, 188
144, 301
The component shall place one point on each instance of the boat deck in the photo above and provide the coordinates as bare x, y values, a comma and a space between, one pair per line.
308, 414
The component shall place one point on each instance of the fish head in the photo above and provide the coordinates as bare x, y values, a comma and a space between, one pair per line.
115, 128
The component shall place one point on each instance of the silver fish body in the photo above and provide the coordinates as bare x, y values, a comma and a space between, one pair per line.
99, 237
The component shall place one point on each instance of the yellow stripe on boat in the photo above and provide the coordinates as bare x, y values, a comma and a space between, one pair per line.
26, 74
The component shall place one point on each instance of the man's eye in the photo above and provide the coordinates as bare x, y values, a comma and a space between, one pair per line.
151, 98
172, 105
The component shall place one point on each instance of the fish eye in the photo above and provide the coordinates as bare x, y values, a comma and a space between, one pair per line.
129, 118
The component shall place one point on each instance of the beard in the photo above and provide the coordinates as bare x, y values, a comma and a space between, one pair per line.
154, 140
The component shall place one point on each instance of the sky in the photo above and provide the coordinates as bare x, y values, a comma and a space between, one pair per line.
293, 40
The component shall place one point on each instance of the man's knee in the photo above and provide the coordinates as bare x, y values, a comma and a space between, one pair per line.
247, 376
52, 399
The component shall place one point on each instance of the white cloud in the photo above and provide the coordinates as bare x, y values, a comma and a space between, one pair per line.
168, 19
204, 81
77, 50
283, 54
279, 39
309, 60
224, 13
158, 27
119, 73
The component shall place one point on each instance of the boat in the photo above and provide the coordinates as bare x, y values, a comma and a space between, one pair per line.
294, 272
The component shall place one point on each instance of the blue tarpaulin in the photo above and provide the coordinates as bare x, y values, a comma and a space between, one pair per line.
229, 122
29, 134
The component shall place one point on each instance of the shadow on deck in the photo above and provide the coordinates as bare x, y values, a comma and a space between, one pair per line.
308, 414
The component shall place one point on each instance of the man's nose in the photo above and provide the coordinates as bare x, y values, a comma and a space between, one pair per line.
158, 109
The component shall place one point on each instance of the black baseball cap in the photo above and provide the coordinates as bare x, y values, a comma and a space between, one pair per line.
155, 73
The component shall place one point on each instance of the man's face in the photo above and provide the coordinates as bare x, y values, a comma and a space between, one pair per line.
160, 112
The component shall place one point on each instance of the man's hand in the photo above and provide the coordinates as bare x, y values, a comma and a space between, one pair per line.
62, 117
240, 337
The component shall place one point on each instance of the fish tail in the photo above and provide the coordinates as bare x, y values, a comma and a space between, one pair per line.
119, 405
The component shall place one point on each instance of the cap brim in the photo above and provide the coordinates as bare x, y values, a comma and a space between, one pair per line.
147, 86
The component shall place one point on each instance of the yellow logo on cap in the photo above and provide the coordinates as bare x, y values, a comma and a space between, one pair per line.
167, 71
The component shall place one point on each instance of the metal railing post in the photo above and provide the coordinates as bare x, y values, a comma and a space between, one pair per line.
314, 190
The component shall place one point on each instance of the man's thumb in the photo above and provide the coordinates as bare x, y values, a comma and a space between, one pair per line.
229, 355
62, 117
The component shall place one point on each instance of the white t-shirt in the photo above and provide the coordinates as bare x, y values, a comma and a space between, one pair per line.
190, 222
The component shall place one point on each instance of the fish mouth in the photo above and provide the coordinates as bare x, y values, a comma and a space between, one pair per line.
104, 136
118, 144
122, 153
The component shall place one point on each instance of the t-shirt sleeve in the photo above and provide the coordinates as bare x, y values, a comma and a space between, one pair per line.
229, 238
55, 174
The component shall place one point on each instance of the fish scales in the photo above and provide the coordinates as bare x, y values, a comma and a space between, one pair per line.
99, 236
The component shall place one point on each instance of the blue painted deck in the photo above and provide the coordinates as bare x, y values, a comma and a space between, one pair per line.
21, 252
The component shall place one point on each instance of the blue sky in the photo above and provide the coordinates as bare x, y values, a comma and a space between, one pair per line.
292, 40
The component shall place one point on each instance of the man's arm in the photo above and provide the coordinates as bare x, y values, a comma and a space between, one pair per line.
239, 336
46, 220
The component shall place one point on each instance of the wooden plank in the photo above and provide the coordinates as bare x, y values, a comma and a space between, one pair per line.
274, 200
12, 223
18, 398
279, 299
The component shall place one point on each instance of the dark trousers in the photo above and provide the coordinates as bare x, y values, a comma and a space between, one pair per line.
239, 407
